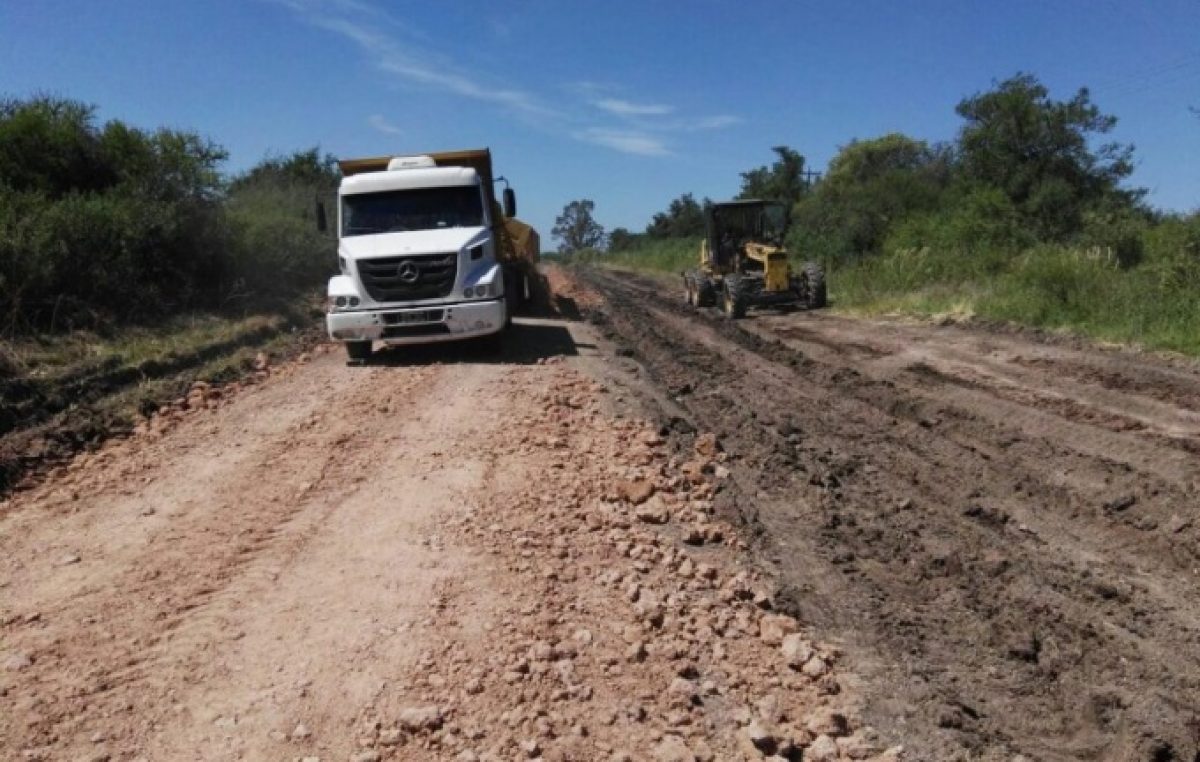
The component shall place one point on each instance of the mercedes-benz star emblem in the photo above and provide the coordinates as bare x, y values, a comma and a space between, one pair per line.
408, 272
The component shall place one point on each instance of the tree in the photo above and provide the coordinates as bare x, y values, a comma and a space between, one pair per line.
306, 168
783, 182
576, 229
864, 161
51, 145
870, 186
1038, 152
684, 217
621, 239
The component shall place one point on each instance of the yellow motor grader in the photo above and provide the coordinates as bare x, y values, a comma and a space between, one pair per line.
744, 264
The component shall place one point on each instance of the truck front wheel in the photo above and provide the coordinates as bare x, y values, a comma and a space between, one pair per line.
358, 351
494, 343
514, 293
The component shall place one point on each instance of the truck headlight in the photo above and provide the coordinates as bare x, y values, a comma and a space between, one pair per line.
343, 302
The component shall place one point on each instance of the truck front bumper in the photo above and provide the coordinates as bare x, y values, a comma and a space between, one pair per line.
418, 325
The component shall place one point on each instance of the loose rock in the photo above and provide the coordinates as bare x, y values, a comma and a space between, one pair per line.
796, 650
823, 749
420, 718
636, 492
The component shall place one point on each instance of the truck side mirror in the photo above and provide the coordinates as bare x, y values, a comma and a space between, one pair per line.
510, 202
322, 223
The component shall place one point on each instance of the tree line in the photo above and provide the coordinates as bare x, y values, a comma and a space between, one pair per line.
1025, 169
103, 224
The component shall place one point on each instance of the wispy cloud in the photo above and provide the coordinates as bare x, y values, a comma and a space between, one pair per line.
625, 141
716, 122
647, 116
626, 108
379, 122
641, 127
406, 61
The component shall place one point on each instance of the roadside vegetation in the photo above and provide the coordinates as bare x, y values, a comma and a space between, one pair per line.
103, 226
131, 266
1025, 217
109, 232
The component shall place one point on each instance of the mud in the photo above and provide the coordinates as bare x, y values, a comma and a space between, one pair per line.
1000, 529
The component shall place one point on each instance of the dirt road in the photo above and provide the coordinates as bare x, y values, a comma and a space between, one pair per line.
973, 544
441, 556
1002, 530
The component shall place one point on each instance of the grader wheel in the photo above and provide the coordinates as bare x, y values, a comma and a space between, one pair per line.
816, 296
735, 299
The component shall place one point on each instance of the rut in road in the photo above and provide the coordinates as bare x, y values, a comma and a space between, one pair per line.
1010, 560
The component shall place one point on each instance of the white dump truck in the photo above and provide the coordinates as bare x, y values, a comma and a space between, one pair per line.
425, 252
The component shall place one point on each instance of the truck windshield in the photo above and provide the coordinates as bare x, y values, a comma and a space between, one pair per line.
420, 209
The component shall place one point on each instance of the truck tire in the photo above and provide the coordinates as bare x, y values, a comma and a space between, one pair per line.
514, 292
735, 299
512, 299
359, 352
494, 343
706, 292
815, 296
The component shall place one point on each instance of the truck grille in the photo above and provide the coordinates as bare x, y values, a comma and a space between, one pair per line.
433, 278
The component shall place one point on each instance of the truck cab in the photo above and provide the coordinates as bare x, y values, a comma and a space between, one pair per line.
421, 252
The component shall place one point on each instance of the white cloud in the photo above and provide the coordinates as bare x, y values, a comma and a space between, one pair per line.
408, 56
379, 122
404, 60
626, 108
716, 122
625, 141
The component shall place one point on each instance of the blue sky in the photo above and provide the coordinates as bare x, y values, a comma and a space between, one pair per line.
626, 103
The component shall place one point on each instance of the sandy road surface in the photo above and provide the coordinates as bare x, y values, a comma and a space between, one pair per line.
441, 556
1004, 530
645, 535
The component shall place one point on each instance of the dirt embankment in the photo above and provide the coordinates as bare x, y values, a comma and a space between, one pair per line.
1002, 532
46, 417
440, 556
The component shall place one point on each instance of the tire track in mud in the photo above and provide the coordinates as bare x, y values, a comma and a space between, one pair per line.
1009, 578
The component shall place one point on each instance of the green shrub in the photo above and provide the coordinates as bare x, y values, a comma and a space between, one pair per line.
276, 249
982, 220
1171, 251
1118, 230
1052, 286
117, 224
84, 259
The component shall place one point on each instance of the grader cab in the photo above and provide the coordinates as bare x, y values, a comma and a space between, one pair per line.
743, 262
